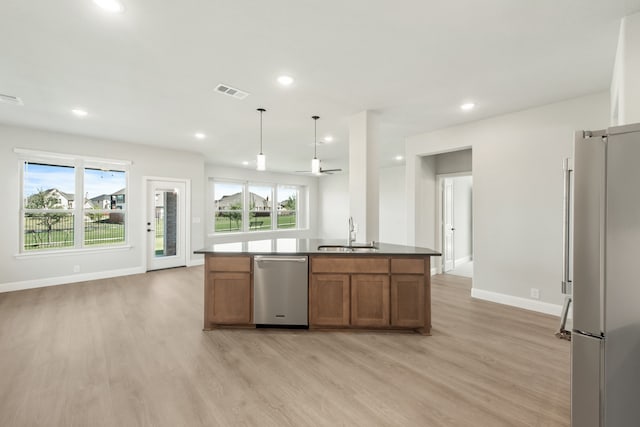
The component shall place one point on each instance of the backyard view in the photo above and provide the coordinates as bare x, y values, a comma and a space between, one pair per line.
229, 212
51, 211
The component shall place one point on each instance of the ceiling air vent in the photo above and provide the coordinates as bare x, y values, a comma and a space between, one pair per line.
231, 91
9, 99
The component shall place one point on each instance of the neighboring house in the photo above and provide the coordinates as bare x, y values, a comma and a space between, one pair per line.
256, 202
64, 200
103, 201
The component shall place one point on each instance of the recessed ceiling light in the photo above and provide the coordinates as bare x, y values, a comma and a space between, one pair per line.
398, 158
285, 80
328, 138
200, 135
113, 6
245, 163
80, 113
467, 106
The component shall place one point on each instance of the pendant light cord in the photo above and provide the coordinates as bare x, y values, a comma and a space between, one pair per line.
315, 136
261, 110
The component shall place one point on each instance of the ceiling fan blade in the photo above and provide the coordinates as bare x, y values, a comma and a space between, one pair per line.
330, 170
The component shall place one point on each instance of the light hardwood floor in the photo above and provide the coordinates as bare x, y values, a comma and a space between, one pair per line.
130, 351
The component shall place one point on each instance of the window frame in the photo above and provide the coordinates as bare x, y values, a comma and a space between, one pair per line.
79, 163
246, 210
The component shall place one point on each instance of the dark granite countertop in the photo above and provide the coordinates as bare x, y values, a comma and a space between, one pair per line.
291, 246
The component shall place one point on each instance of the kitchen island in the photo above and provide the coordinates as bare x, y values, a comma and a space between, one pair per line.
349, 287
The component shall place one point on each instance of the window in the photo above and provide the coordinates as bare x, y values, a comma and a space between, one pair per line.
250, 207
48, 214
287, 206
72, 203
104, 206
260, 201
229, 206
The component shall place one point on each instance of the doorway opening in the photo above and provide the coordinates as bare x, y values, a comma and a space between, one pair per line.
166, 224
455, 197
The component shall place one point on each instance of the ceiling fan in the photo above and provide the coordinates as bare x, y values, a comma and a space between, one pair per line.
321, 171
316, 169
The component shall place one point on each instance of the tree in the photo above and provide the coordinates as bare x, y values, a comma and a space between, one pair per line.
45, 199
290, 203
234, 214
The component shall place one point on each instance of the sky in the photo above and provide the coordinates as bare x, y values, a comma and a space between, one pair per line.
96, 182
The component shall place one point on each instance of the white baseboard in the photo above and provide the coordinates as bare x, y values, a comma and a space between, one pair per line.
434, 271
463, 259
63, 280
527, 304
194, 262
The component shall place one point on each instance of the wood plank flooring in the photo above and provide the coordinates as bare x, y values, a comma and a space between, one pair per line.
129, 351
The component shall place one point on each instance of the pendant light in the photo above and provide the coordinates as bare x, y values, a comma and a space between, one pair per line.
261, 159
315, 162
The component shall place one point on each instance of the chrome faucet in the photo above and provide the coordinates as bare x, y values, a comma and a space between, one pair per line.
352, 231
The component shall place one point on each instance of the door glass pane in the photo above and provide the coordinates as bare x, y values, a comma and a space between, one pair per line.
166, 222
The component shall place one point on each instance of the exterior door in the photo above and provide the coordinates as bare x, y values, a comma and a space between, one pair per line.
166, 224
448, 250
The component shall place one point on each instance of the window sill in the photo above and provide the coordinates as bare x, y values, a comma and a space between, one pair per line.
65, 252
256, 233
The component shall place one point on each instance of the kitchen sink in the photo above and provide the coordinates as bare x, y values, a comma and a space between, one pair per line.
346, 249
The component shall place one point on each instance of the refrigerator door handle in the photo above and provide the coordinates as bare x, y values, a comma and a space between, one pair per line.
566, 229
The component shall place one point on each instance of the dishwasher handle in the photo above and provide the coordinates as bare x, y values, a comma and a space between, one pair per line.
280, 259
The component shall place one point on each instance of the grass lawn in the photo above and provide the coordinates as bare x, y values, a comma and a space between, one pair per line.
224, 224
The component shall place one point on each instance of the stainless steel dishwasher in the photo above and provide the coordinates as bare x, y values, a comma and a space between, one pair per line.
280, 289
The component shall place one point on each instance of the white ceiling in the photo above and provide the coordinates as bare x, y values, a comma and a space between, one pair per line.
148, 75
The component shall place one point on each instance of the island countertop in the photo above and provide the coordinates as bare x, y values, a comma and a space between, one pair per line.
292, 246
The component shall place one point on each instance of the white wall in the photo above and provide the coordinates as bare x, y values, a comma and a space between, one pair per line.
454, 162
462, 217
517, 194
625, 86
333, 206
31, 271
309, 199
392, 198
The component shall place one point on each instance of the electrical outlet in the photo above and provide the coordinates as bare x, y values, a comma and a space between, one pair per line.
535, 293
76, 269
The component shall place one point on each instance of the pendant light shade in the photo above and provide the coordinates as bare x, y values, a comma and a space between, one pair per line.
261, 159
315, 166
315, 162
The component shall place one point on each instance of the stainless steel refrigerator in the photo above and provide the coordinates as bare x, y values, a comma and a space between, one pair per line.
605, 344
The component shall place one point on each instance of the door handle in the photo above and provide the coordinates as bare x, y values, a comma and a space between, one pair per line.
150, 229
566, 228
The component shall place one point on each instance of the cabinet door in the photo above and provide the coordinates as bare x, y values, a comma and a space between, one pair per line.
329, 300
407, 300
370, 300
229, 298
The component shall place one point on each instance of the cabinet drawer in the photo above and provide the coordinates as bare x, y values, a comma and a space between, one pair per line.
407, 265
229, 263
348, 264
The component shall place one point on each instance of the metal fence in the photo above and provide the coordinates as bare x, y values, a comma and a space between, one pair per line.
56, 230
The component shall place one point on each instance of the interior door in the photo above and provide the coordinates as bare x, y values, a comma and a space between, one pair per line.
166, 224
448, 250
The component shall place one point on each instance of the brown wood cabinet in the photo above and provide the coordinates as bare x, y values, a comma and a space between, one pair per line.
228, 291
370, 300
407, 300
329, 300
345, 291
